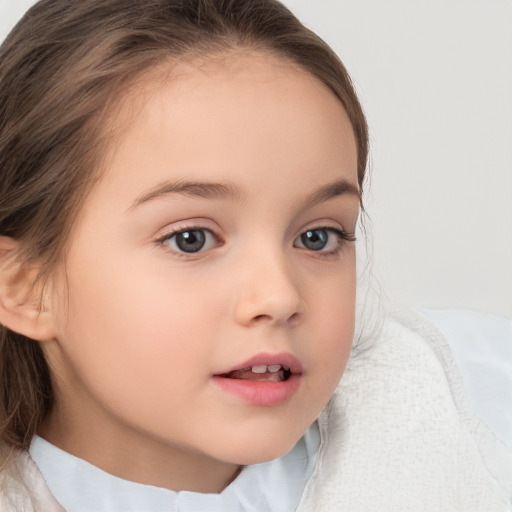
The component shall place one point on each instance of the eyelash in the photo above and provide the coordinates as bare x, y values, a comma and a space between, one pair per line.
344, 238
182, 254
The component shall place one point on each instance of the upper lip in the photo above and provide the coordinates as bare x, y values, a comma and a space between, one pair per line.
283, 358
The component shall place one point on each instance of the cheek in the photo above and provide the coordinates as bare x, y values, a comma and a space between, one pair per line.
332, 316
128, 334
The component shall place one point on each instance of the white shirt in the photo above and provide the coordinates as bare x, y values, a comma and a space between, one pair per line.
275, 486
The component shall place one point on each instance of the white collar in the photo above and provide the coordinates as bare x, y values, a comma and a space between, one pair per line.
272, 486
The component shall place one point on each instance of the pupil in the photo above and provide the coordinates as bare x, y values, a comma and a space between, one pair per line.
190, 241
314, 240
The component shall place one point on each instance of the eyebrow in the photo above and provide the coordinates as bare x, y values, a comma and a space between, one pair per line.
206, 190
330, 191
228, 191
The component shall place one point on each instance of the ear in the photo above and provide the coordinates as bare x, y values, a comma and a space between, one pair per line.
21, 306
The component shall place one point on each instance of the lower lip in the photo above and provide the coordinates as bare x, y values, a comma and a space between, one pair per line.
261, 393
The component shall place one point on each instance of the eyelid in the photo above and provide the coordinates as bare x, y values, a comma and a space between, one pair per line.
343, 238
339, 230
187, 225
182, 228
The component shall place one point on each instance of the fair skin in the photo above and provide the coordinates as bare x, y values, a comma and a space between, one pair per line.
143, 331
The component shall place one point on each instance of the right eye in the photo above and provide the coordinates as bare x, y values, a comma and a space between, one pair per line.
190, 240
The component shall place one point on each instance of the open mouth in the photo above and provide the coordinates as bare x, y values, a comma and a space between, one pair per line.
261, 373
265, 380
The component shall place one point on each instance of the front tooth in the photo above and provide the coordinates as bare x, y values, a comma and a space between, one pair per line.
274, 368
262, 368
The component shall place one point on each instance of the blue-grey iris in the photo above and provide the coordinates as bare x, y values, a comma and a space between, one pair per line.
315, 240
191, 241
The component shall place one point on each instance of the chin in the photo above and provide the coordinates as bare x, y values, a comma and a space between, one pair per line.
261, 447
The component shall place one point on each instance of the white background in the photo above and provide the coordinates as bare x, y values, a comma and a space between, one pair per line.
435, 79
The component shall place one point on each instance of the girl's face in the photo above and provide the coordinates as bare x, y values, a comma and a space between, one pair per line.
207, 309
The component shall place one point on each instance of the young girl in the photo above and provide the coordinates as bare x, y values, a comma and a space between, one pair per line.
181, 182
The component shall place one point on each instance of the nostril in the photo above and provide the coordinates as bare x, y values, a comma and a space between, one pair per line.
290, 320
294, 317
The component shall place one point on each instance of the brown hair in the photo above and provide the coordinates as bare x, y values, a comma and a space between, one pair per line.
61, 70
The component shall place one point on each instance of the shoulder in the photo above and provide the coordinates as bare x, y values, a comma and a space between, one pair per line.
22, 487
399, 433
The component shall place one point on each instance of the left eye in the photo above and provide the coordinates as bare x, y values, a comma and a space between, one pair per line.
190, 240
320, 239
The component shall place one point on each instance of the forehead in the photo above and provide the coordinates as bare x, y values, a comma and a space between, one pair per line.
233, 116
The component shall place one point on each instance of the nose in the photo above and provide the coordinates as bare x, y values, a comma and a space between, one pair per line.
268, 293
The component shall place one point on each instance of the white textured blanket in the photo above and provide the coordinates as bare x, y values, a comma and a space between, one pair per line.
399, 434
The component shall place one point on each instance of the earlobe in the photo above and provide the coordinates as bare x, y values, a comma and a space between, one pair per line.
21, 308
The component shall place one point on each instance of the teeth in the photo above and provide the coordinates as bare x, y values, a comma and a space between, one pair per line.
273, 368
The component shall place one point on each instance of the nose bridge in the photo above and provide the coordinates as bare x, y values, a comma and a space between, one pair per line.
269, 290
